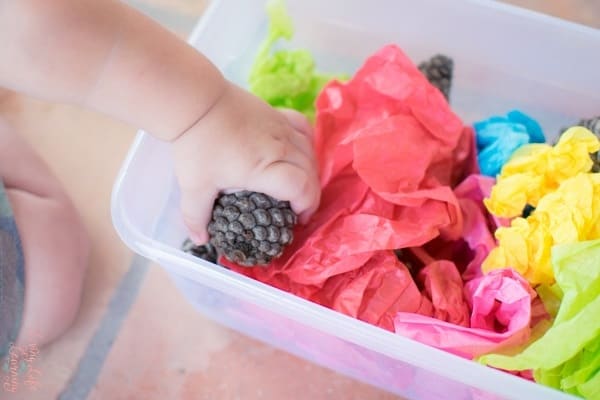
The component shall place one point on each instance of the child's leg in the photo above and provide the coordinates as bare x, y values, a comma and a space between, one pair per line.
54, 241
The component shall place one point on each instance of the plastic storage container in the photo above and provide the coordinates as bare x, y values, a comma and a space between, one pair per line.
505, 58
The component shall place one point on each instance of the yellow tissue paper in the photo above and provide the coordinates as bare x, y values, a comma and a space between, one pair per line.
569, 214
535, 170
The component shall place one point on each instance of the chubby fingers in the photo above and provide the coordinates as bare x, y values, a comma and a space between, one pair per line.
294, 179
196, 208
280, 163
298, 121
285, 181
293, 176
303, 140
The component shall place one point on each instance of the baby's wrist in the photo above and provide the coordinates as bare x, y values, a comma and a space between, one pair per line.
218, 96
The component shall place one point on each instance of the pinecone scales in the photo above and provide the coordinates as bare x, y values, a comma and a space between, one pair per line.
251, 228
438, 70
206, 251
593, 124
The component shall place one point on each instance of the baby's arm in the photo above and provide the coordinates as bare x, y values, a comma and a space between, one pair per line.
105, 56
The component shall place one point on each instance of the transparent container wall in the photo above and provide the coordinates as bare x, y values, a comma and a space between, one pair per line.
505, 58
398, 365
324, 349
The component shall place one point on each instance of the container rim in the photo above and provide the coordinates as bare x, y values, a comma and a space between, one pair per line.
318, 317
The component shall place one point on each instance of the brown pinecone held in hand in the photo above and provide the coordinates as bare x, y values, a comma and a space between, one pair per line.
251, 228
438, 71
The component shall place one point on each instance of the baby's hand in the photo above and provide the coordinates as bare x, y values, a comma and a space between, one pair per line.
244, 144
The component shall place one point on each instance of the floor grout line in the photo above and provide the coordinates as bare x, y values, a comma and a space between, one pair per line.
92, 361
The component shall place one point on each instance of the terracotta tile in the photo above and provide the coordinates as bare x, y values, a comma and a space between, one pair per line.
167, 350
85, 151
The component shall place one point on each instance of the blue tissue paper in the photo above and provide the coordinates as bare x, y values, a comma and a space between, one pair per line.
499, 137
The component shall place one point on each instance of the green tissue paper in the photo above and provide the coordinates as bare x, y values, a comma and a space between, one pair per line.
567, 356
282, 77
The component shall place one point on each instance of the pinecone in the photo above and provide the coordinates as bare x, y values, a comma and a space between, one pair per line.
593, 124
596, 163
251, 228
206, 251
438, 71
402, 256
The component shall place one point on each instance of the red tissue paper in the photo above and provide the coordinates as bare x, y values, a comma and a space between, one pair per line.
398, 174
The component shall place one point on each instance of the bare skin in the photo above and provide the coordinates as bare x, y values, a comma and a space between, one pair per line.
107, 57
54, 241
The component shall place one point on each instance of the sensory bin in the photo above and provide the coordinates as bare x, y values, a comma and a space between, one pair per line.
474, 237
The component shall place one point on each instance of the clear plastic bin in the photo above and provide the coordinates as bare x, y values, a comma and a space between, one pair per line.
505, 58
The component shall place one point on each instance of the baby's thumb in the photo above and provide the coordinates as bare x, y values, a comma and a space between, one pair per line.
196, 209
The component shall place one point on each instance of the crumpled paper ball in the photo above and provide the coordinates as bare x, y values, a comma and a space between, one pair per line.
286, 78
501, 304
538, 169
567, 355
569, 214
499, 137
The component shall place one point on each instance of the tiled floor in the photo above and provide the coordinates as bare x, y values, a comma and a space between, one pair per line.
181, 354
